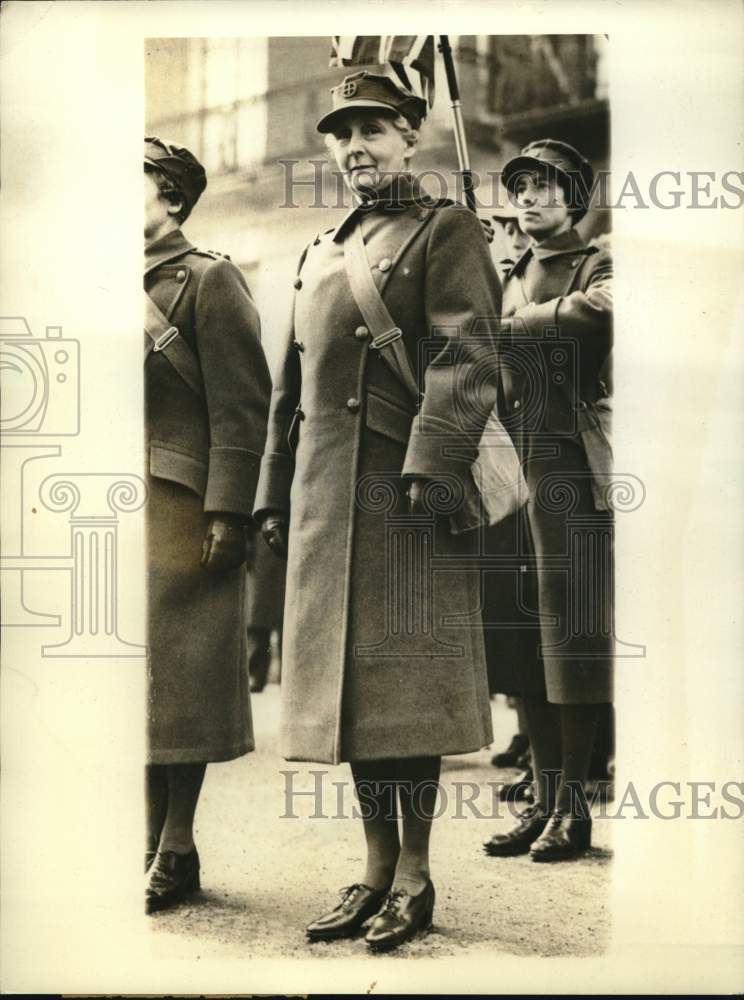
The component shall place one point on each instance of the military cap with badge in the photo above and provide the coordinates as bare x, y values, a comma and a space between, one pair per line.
371, 90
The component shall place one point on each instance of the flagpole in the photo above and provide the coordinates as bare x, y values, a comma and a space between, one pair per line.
457, 122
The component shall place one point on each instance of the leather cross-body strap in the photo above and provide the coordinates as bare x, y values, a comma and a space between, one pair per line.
166, 338
387, 338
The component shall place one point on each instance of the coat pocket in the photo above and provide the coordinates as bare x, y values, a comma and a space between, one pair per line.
387, 418
178, 466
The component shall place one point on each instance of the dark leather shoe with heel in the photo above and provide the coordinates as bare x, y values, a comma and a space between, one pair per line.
519, 790
518, 840
358, 903
564, 838
513, 753
401, 918
172, 878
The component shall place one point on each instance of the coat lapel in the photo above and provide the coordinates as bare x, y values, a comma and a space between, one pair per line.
558, 259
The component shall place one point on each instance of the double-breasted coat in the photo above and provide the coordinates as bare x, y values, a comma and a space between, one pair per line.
203, 454
556, 383
383, 648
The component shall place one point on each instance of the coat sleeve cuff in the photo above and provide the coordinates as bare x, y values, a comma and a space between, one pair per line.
536, 317
231, 482
274, 483
437, 448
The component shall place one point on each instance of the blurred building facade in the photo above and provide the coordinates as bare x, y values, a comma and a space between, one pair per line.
247, 107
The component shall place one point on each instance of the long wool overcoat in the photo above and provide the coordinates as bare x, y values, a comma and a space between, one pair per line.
203, 458
556, 378
383, 648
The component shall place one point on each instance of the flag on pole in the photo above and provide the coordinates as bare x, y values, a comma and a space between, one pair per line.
403, 53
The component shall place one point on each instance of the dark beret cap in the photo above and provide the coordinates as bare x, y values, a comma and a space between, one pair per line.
556, 157
179, 165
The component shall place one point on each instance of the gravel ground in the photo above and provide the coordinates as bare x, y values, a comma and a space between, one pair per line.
265, 876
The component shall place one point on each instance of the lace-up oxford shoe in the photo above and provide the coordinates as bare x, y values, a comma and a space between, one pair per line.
358, 903
401, 918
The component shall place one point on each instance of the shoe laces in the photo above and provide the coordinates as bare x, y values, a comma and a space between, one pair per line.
348, 892
393, 899
349, 889
530, 813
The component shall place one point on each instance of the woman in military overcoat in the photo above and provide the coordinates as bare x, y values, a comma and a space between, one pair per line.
383, 651
207, 392
556, 391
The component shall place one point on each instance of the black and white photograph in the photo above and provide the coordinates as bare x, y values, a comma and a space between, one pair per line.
370, 621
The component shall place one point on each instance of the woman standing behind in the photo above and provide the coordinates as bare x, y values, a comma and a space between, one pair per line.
207, 391
555, 376
383, 657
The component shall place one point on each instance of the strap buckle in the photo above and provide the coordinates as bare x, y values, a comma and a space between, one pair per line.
165, 338
389, 337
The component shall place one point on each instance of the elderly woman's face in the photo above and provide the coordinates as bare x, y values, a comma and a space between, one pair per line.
369, 149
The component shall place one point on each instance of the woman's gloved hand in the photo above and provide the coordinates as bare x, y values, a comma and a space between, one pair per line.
415, 494
224, 546
275, 529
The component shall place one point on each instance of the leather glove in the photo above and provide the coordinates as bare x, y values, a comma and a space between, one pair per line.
275, 528
487, 229
415, 494
224, 545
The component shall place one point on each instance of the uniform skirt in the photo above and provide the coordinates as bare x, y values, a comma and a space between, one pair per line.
574, 554
198, 705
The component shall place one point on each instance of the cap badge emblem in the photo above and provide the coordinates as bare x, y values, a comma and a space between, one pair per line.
348, 88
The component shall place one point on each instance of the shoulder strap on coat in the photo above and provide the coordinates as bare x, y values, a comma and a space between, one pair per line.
163, 336
387, 338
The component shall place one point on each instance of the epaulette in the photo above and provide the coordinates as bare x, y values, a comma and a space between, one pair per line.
213, 254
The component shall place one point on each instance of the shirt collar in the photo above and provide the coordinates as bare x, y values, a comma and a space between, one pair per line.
168, 247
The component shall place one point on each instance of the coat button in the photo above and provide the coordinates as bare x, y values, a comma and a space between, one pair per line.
385, 264
181, 276
299, 346
575, 262
516, 404
352, 404
361, 333
581, 405
298, 283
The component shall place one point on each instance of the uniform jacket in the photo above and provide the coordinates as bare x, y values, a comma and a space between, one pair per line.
213, 445
556, 374
383, 652
204, 456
